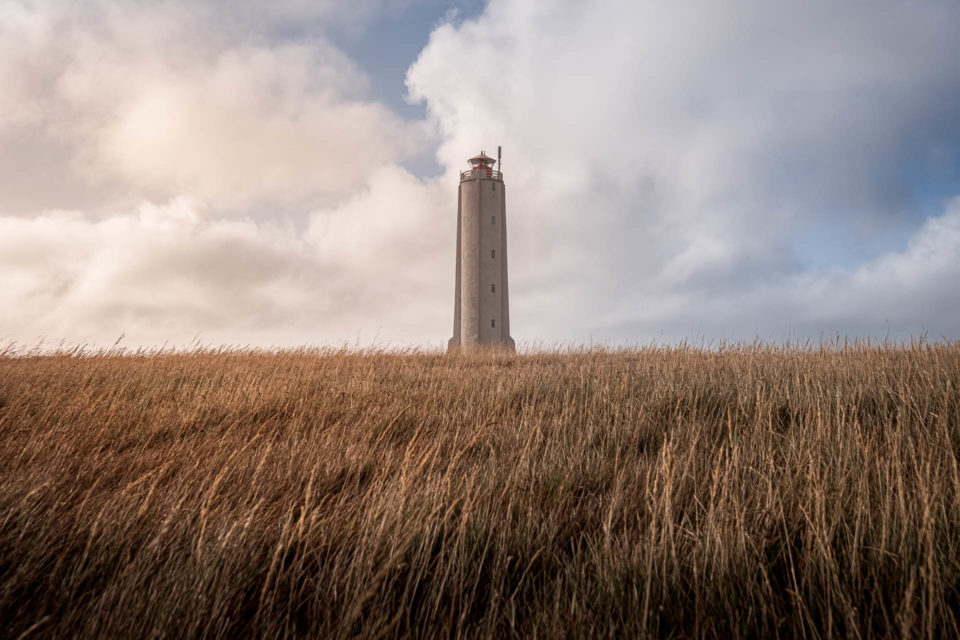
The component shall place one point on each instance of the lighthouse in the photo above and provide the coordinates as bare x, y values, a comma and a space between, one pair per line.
481, 314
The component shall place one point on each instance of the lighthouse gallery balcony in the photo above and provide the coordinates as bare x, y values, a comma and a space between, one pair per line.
481, 174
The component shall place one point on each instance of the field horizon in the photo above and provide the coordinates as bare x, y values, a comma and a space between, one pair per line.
729, 490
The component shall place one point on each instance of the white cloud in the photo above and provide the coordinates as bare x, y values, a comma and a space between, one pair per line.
261, 124
663, 158
142, 100
181, 176
167, 273
192, 168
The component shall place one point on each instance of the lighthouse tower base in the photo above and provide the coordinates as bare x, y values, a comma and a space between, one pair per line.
454, 346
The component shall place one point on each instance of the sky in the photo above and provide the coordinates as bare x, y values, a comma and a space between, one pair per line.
284, 173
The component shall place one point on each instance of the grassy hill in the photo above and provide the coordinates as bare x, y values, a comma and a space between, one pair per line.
748, 491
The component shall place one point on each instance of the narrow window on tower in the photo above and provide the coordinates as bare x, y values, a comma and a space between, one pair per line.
493, 323
493, 288
493, 253
493, 219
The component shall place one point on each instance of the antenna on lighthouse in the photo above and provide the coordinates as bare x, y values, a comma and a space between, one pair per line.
499, 153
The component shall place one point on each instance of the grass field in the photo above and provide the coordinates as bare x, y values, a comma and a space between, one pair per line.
747, 491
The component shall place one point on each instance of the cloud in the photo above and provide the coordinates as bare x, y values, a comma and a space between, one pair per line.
897, 295
256, 124
663, 159
185, 168
169, 273
140, 99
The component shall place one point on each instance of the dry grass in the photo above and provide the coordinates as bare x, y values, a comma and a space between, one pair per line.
742, 492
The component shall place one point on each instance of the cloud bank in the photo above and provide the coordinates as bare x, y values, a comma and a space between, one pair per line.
681, 171
664, 162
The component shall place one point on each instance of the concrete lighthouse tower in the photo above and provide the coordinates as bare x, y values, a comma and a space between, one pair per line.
481, 314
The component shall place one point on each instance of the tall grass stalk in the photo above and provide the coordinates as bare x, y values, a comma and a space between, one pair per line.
739, 491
